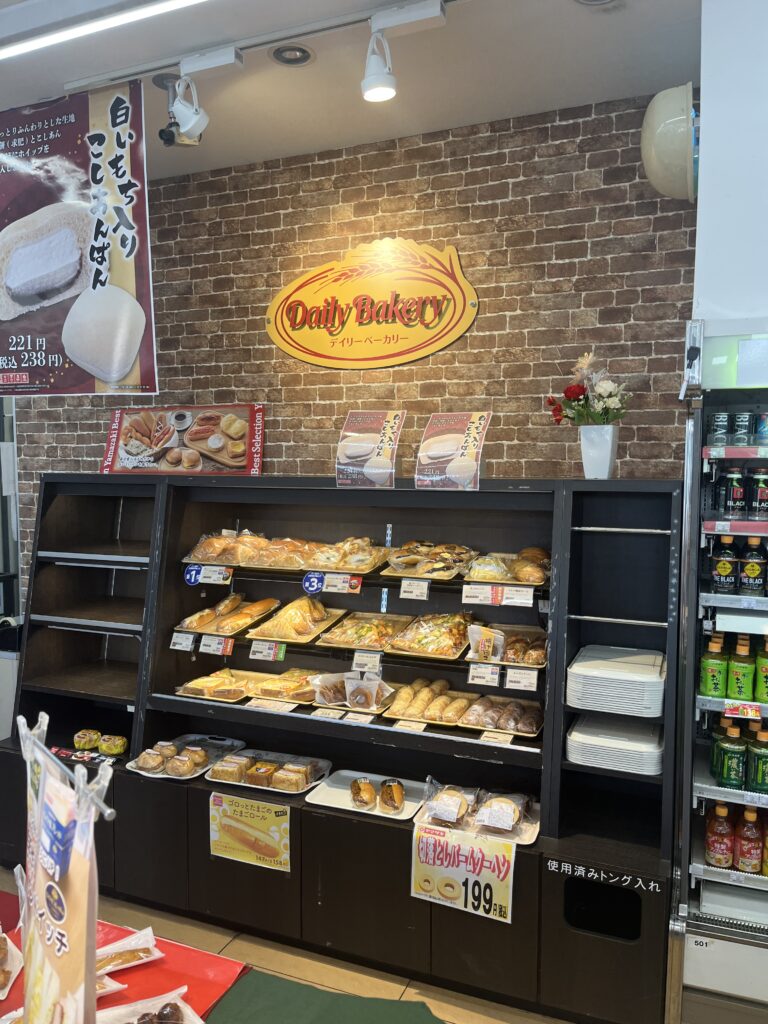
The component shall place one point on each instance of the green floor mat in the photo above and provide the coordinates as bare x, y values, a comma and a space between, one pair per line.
262, 998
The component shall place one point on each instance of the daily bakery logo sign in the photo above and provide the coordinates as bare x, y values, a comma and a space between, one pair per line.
385, 303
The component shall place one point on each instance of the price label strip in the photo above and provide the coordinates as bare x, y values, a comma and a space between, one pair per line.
270, 705
495, 594
406, 726
222, 645
521, 679
267, 650
183, 642
498, 739
414, 590
484, 675
328, 713
216, 574
339, 583
367, 661
742, 709
360, 719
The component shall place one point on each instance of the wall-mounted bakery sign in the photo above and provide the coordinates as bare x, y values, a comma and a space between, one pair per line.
384, 303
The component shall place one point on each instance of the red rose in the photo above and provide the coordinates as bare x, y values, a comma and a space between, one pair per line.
574, 392
557, 413
551, 401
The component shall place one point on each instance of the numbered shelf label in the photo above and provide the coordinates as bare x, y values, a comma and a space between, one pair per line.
366, 661
267, 650
414, 590
222, 645
496, 594
521, 679
195, 574
339, 583
183, 642
484, 675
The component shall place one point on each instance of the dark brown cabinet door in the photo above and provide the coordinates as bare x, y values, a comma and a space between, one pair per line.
13, 808
151, 840
488, 955
104, 837
356, 898
251, 897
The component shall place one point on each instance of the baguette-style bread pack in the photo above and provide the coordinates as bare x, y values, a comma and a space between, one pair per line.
43, 258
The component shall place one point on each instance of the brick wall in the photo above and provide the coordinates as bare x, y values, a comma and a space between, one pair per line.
566, 243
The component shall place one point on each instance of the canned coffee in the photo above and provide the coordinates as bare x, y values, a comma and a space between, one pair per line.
719, 428
743, 427
761, 427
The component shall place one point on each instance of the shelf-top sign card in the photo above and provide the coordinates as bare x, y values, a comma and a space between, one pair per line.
367, 450
450, 451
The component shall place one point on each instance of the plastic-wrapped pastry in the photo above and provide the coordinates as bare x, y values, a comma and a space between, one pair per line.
166, 749
515, 649
536, 654
403, 698
150, 761
475, 713
490, 718
510, 715
198, 756
436, 707
499, 812
540, 556
288, 782
489, 567
113, 746
363, 793
448, 805
209, 549
419, 704
228, 771
87, 739
528, 572
198, 620
455, 709
392, 796
228, 604
531, 722
180, 767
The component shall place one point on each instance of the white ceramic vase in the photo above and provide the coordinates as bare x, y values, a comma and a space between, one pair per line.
598, 450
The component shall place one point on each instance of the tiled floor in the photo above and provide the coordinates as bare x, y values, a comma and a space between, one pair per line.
310, 968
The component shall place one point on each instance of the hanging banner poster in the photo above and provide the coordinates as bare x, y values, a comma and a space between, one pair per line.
463, 871
250, 832
367, 449
384, 303
450, 451
226, 439
76, 313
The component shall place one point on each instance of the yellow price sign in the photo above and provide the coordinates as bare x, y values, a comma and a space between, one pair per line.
463, 871
250, 831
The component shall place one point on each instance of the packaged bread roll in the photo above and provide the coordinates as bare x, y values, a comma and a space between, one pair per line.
436, 707
439, 686
402, 699
419, 704
455, 709
198, 620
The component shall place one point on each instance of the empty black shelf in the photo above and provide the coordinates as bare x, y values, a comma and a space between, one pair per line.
106, 552
107, 613
113, 682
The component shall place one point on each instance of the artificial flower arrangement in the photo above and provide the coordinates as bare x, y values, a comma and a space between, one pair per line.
592, 398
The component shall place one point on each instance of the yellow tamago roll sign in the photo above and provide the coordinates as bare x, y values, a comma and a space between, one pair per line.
384, 303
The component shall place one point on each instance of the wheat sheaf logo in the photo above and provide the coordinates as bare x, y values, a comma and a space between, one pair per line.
387, 302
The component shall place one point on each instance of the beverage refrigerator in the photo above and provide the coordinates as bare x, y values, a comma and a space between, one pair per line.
719, 926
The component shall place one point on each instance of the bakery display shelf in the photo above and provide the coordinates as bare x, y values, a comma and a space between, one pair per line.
712, 452
453, 742
118, 552
109, 613
727, 876
719, 704
745, 602
111, 682
735, 527
612, 773
704, 788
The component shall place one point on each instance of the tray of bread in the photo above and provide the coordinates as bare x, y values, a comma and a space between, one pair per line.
377, 795
504, 714
221, 438
298, 622
478, 811
422, 559
434, 703
357, 555
528, 567
228, 686
264, 769
354, 691
186, 757
365, 631
292, 685
11, 963
443, 637
231, 615
501, 644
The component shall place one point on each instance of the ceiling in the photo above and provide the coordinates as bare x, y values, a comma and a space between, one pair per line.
493, 59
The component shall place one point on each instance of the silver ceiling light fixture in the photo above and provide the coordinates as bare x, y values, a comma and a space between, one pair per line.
378, 84
292, 55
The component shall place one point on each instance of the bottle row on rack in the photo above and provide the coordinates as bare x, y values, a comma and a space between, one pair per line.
739, 758
737, 839
742, 493
737, 428
739, 569
736, 671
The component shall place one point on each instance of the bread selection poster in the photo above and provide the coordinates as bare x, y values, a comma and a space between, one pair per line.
76, 313
225, 439
250, 832
367, 449
450, 451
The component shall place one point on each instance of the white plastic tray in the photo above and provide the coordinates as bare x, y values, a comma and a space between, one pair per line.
270, 755
335, 792
215, 746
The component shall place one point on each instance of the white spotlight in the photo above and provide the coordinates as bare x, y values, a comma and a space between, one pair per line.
378, 83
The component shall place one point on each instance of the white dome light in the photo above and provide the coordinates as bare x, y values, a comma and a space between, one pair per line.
378, 83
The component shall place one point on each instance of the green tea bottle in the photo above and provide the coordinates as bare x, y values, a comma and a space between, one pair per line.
761, 675
713, 671
718, 733
741, 673
757, 763
732, 772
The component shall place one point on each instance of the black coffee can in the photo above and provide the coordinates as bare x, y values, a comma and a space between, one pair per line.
719, 428
743, 427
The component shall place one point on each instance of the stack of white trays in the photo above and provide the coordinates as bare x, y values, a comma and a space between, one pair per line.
609, 741
621, 680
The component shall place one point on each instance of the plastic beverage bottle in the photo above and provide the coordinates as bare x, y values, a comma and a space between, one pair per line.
765, 853
732, 769
720, 837
748, 844
713, 671
753, 562
761, 675
741, 673
714, 751
757, 763
724, 566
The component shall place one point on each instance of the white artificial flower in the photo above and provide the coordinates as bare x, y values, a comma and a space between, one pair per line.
605, 388
613, 403
598, 405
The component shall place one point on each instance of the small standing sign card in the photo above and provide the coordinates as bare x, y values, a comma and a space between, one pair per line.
367, 450
450, 451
